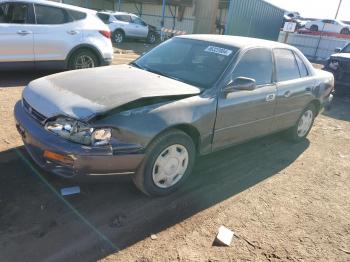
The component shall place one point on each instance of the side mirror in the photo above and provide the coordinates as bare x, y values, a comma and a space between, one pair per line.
337, 50
240, 84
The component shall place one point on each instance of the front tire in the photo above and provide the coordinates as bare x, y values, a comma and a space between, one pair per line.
345, 31
314, 28
151, 38
83, 59
304, 124
169, 161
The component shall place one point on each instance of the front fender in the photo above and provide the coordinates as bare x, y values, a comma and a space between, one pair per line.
142, 125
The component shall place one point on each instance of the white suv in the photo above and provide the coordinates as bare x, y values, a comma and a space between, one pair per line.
125, 25
47, 35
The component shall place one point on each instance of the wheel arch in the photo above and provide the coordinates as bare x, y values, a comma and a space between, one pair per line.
317, 104
84, 47
119, 29
188, 129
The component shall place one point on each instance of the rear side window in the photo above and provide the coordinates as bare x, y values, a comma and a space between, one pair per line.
286, 65
76, 15
14, 13
49, 15
256, 64
124, 18
302, 67
103, 17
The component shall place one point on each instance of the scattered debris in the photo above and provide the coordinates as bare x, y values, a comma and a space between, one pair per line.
70, 190
154, 237
224, 237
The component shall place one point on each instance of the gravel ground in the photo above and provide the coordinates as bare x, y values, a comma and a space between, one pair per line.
283, 201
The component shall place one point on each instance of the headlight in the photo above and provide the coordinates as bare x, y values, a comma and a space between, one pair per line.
101, 137
79, 132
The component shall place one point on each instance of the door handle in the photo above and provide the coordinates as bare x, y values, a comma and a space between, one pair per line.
23, 32
72, 32
287, 94
270, 97
308, 89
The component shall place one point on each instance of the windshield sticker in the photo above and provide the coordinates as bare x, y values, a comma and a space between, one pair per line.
218, 50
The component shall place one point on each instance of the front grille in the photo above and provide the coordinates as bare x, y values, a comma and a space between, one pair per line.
33, 113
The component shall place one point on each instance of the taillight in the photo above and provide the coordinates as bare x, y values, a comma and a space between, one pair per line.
106, 34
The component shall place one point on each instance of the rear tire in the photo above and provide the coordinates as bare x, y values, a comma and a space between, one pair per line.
314, 28
168, 162
118, 36
303, 126
83, 59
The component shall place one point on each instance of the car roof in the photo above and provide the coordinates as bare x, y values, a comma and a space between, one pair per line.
52, 3
237, 41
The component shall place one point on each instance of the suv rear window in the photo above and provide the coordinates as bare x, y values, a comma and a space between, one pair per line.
76, 15
49, 15
124, 18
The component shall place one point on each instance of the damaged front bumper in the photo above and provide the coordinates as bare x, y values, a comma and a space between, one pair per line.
68, 159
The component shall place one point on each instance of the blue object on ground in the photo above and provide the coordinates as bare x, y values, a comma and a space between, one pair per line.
70, 190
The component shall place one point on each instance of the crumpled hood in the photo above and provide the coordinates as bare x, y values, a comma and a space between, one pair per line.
343, 56
83, 93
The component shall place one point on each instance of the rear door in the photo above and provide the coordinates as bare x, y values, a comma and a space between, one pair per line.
16, 35
294, 88
56, 32
243, 115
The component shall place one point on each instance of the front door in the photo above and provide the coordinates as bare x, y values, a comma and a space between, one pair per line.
138, 27
243, 115
16, 35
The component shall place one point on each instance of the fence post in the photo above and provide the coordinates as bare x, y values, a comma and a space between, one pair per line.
162, 22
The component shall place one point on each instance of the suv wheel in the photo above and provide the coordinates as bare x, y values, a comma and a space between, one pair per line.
345, 31
314, 28
169, 161
118, 36
151, 39
303, 127
83, 59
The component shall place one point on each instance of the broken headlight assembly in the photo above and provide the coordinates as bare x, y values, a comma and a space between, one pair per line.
79, 132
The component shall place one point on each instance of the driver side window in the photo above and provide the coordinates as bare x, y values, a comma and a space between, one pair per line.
256, 64
14, 13
139, 21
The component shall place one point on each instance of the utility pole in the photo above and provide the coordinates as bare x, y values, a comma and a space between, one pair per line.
340, 2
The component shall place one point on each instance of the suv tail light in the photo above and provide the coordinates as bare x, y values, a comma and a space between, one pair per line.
106, 34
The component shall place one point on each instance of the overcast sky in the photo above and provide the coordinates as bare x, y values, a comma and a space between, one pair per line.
315, 8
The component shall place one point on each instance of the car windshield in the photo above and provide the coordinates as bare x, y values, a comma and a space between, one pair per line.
198, 63
346, 49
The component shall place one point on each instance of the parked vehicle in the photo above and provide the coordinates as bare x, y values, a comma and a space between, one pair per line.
124, 25
191, 95
339, 65
328, 25
47, 35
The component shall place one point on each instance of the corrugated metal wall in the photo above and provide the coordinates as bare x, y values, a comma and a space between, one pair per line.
314, 47
152, 14
254, 18
206, 12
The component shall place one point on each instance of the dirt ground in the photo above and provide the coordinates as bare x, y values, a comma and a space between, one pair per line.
285, 202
